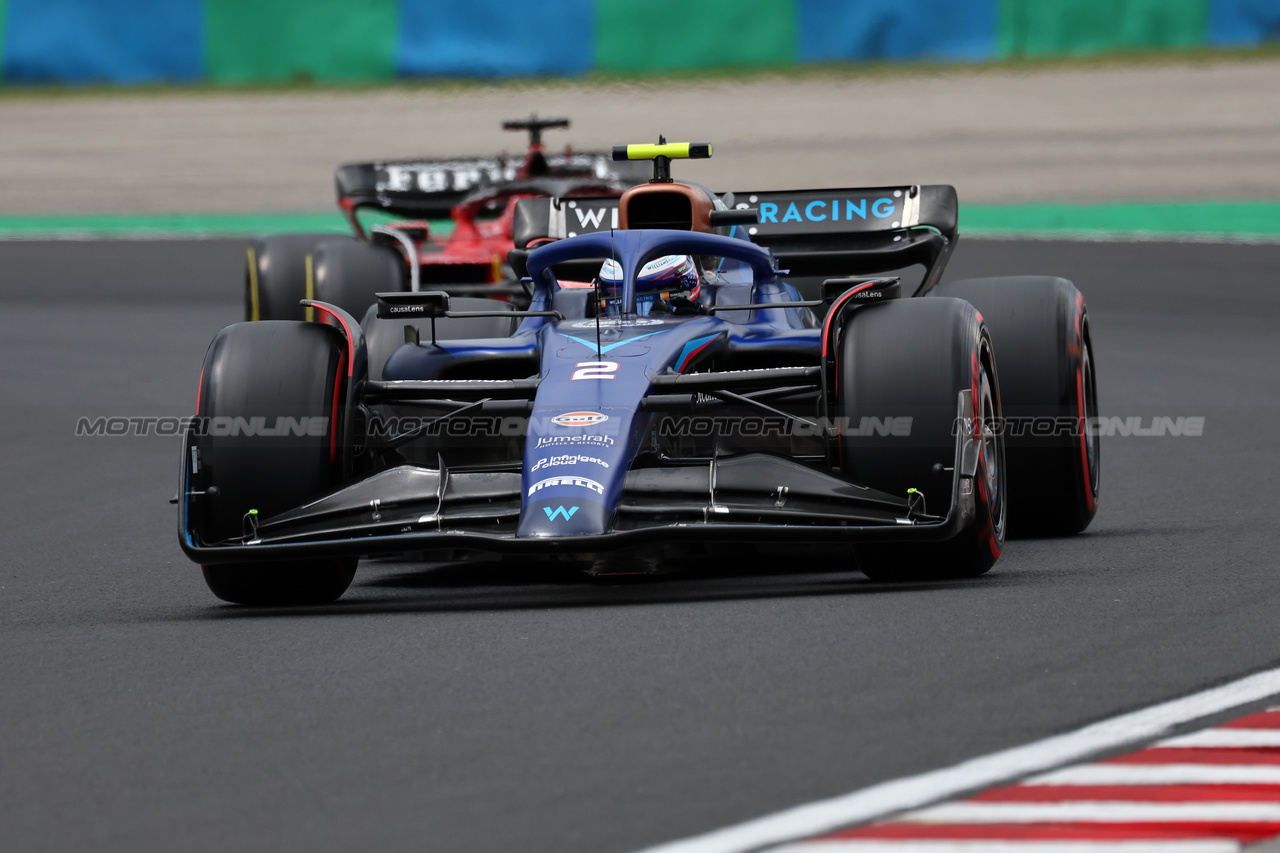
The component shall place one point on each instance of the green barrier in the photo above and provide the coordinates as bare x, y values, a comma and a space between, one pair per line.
673, 35
263, 42
256, 41
1030, 28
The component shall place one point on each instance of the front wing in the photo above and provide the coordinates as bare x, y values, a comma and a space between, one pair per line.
755, 498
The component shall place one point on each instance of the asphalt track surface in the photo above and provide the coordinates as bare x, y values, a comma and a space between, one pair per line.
493, 708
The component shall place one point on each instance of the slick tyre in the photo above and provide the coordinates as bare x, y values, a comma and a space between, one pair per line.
1040, 327
271, 396
275, 277
911, 358
351, 274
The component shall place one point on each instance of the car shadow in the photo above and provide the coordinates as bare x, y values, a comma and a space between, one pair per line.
1114, 532
491, 585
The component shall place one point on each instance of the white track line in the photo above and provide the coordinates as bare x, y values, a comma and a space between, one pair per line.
984, 845
1162, 774
1227, 739
915, 791
1096, 811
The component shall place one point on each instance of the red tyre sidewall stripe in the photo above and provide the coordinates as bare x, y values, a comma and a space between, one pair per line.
975, 370
1084, 452
333, 418
348, 359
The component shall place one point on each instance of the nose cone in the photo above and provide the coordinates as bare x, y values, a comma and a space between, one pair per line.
575, 463
569, 517
587, 422
582, 431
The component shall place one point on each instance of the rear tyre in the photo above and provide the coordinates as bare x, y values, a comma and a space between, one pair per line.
1041, 328
280, 377
911, 358
275, 276
351, 274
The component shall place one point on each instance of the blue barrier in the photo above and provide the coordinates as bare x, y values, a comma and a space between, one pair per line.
1243, 22
148, 41
897, 29
91, 41
493, 38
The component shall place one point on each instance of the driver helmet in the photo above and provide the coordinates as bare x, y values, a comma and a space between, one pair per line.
669, 284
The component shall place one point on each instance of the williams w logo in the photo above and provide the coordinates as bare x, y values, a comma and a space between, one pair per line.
552, 515
593, 219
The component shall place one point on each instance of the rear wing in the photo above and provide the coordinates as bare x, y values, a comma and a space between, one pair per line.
811, 232
429, 189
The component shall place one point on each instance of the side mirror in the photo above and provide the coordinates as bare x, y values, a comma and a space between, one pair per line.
881, 288
518, 258
430, 303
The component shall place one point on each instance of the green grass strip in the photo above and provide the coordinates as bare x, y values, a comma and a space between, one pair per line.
161, 225
1240, 220
144, 226
1229, 220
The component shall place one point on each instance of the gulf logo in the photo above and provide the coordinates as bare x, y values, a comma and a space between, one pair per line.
579, 419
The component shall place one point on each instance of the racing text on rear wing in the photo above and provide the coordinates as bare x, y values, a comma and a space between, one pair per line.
781, 215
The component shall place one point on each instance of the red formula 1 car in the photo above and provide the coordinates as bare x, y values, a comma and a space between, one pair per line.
477, 194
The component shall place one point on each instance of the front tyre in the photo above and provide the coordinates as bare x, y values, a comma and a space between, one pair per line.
271, 395
912, 358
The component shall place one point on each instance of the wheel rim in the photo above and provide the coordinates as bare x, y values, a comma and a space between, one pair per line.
992, 454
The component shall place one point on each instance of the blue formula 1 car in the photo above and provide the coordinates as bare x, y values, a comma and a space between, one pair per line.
690, 374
